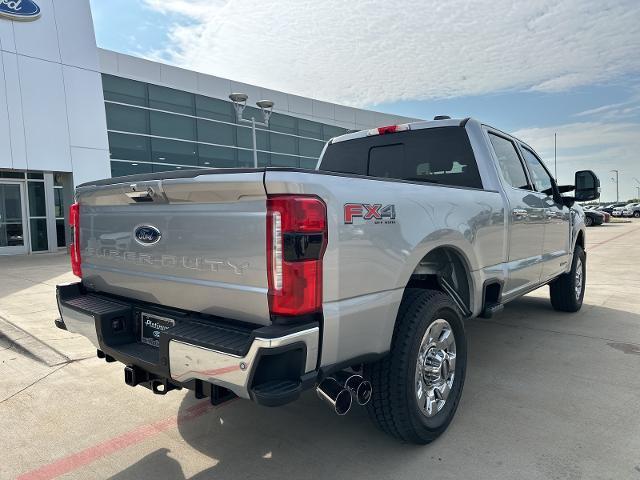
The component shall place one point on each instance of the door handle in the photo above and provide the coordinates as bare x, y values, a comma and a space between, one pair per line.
519, 213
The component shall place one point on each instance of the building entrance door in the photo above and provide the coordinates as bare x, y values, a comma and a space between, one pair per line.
13, 228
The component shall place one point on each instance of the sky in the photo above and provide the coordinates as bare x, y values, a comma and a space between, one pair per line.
534, 69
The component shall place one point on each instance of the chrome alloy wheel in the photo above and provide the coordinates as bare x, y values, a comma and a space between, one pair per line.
579, 277
436, 367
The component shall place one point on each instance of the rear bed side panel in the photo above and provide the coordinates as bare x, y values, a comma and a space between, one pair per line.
367, 265
212, 254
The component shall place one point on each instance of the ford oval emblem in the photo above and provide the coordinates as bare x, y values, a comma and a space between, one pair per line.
147, 235
19, 9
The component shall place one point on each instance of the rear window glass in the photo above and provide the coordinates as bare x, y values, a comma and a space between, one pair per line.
433, 155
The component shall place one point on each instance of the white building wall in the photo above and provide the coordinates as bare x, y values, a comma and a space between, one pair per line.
51, 103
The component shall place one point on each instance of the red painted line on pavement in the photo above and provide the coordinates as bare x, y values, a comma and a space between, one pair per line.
591, 247
132, 437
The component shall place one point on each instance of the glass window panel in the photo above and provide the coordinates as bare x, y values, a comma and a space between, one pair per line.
216, 109
39, 241
331, 131
129, 147
173, 151
283, 123
59, 202
310, 148
284, 160
10, 204
60, 233
11, 235
283, 143
126, 119
163, 168
264, 159
35, 176
509, 162
173, 126
164, 98
308, 163
254, 112
120, 169
37, 203
210, 156
58, 179
220, 133
244, 138
307, 128
119, 89
245, 159
540, 176
6, 174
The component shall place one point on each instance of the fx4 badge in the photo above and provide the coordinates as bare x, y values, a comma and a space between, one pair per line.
369, 213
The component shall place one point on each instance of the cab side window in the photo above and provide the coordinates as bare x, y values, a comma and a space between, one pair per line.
509, 162
541, 178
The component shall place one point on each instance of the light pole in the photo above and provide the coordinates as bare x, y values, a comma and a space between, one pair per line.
239, 103
637, 187
555, 155
617, 190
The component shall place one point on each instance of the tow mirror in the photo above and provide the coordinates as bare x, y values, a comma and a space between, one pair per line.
587, 186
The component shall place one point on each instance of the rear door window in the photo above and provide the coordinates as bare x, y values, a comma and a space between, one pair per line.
440, 155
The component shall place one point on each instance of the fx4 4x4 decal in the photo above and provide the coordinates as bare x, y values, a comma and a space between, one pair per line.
369, 213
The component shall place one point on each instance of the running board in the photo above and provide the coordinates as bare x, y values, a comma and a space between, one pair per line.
491, 309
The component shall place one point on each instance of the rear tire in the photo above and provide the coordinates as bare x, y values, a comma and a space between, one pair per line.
567, 291
588, 221
411, 381
636, 214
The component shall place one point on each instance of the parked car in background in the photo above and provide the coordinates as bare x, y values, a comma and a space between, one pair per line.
593, 217
609, 208
620, 211
632, 210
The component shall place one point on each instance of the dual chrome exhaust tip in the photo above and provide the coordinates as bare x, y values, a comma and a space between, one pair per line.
339, 391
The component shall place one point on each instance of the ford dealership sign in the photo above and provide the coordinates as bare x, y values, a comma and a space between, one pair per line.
19, 9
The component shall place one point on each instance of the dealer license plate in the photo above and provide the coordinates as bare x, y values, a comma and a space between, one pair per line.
151, 327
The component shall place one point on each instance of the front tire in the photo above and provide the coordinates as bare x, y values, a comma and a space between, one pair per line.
636, 214
567, 291
418, 385
588, 221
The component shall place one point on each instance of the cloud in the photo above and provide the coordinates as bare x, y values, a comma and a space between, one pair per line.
373, 51
597, 146
614, 111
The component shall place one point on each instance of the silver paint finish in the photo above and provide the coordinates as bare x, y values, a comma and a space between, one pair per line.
211, 257
187, 362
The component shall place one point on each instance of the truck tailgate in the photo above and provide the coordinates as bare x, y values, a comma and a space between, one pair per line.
193, 243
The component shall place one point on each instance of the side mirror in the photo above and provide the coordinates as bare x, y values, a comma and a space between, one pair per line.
587, 186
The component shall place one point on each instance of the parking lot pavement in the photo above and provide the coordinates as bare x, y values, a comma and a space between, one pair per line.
547, 396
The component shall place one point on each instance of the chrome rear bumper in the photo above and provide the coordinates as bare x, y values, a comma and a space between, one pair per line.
181, 357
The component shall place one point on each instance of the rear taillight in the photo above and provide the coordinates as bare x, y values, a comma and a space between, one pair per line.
74, 221
296, 241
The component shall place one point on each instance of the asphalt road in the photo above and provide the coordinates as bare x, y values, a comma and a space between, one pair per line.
547, 396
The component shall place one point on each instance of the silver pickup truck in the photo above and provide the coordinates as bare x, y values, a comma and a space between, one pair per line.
352, 279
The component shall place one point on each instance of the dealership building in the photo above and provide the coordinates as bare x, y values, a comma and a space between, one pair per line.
71, 112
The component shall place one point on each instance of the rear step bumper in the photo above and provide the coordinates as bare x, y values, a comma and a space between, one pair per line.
269, 365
